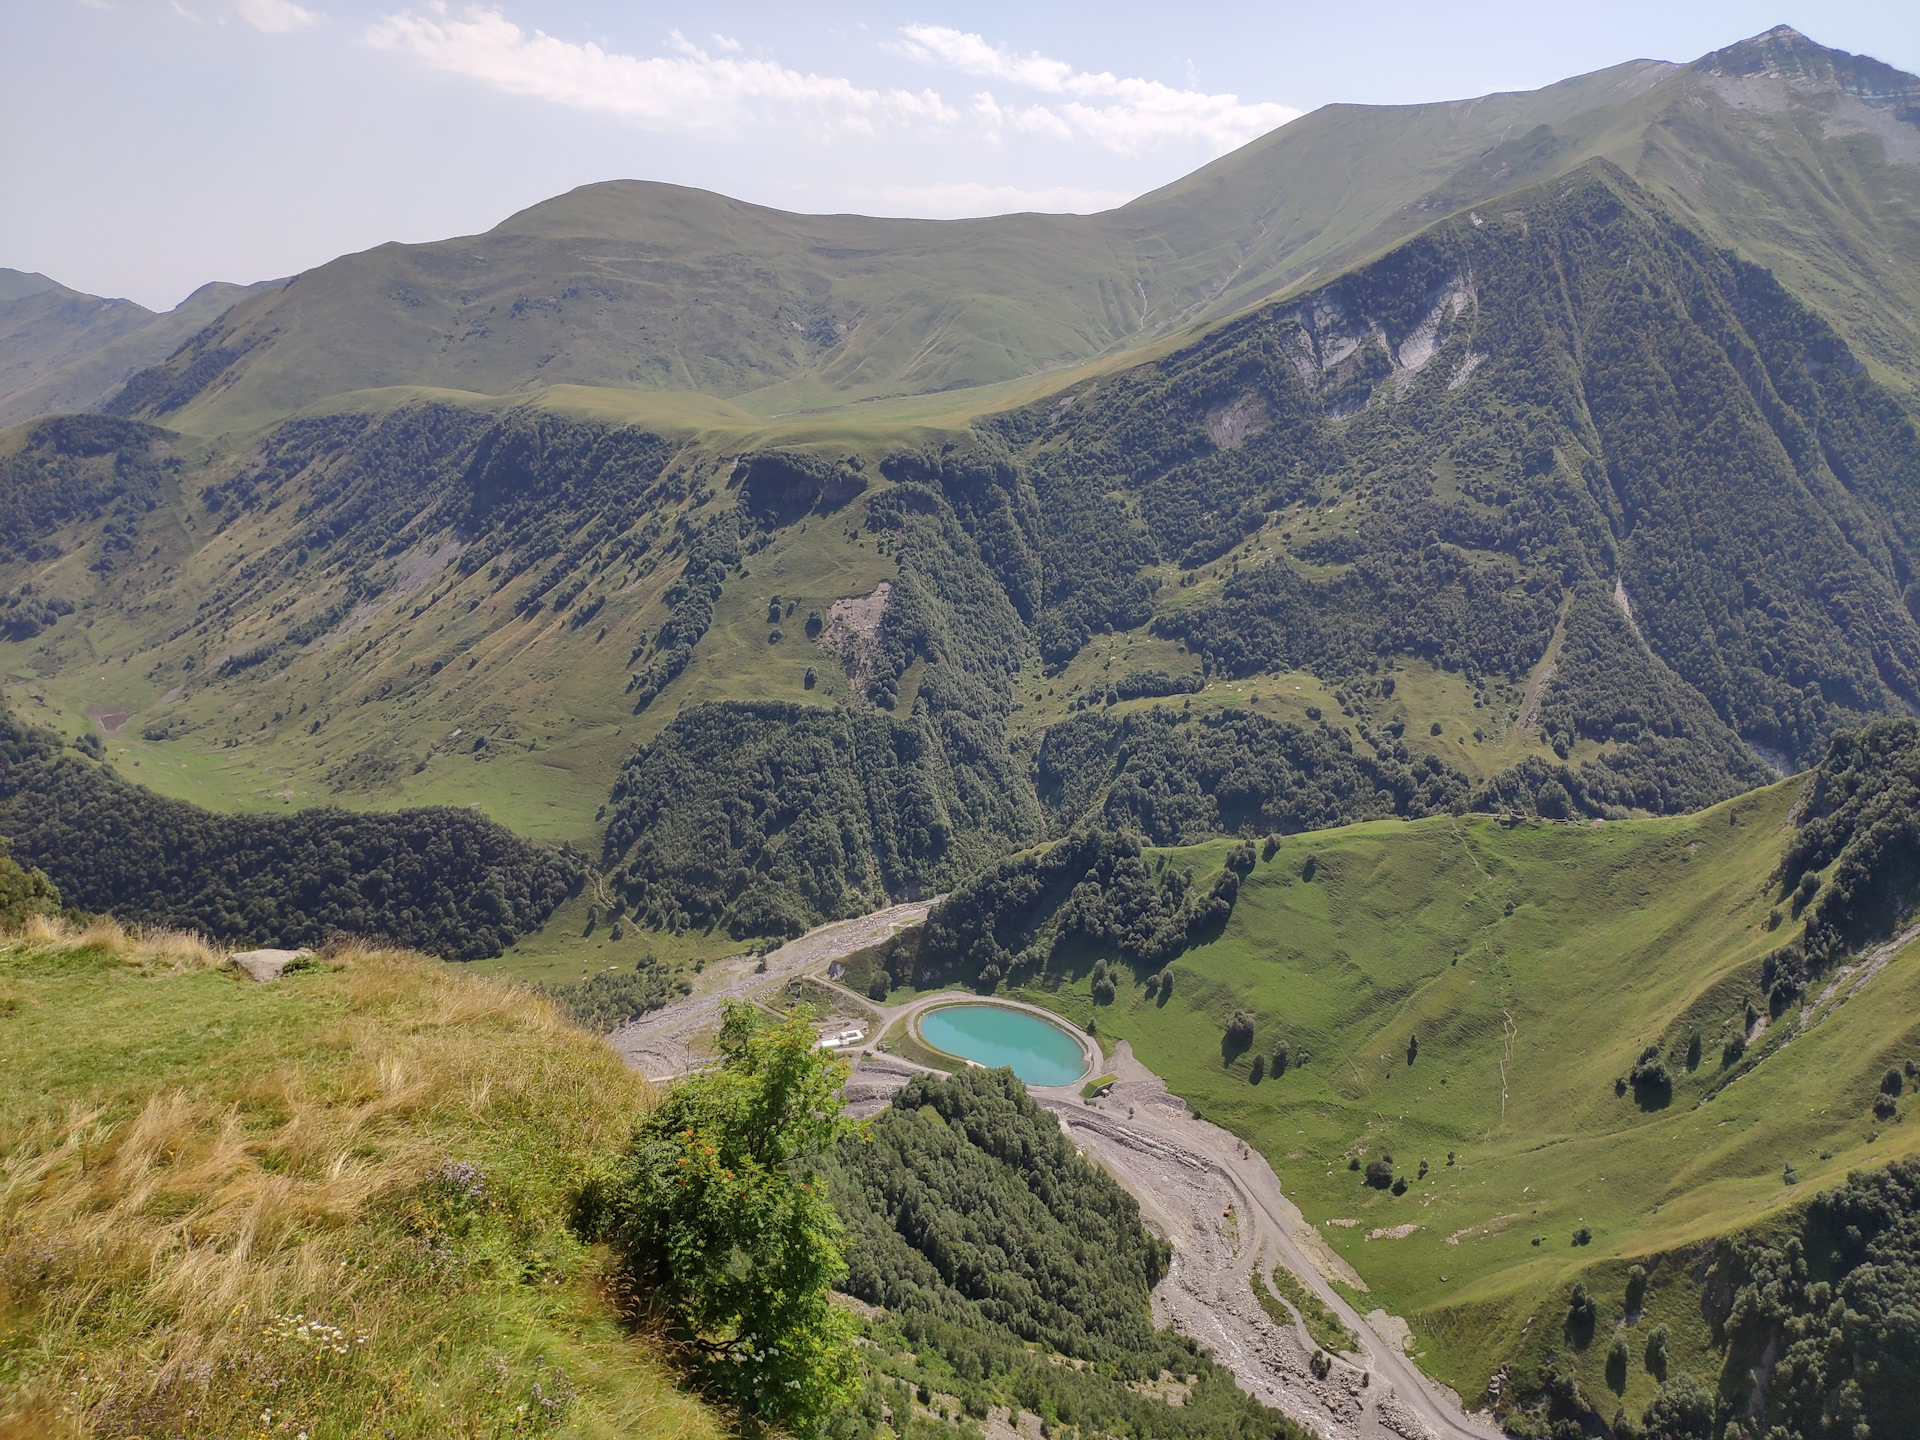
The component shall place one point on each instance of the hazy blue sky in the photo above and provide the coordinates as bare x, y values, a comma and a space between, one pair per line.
147, 146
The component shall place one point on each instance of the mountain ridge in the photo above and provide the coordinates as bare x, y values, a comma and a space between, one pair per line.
632, 284
65, 350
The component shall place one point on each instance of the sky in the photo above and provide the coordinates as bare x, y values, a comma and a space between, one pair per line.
149, 146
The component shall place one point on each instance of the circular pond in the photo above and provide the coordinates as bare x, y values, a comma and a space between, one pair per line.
993, 1035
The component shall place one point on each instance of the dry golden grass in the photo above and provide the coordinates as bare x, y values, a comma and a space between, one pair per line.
337, 1201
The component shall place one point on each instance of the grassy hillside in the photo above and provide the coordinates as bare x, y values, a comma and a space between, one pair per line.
336, 1204
1471, 998
1791, 153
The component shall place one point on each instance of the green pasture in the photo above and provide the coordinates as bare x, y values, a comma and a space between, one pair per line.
1620, 936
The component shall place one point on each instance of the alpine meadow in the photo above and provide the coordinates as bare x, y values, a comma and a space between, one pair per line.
1403, 646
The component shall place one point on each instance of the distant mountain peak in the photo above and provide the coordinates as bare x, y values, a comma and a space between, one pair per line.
1783, 53
19, 284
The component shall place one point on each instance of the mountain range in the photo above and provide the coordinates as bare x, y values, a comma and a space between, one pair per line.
1540, 470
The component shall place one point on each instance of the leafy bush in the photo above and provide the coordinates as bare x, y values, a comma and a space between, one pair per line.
23, 893
718, 1216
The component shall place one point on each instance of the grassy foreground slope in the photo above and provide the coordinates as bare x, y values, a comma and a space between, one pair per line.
1535, 965
335, 1205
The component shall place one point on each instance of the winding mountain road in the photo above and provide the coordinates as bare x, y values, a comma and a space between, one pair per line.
1216, 1201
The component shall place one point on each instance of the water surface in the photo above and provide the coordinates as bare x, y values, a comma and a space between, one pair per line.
995, 1035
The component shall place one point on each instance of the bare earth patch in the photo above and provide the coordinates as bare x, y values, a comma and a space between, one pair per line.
852, 624
1492, 1227
109, 721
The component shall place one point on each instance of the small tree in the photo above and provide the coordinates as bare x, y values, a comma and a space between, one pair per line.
1656, 1353
1636, 1288
1617, 1365
1240, 1029
1282, 1054
1581, 1309
1892, 1082
1380, 1172
1259, 1071
718, 1215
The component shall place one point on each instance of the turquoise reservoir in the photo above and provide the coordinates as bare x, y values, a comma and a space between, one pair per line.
995, 1035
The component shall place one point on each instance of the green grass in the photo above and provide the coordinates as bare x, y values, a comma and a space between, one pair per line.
1621, 935
210, 1163
1322, 1324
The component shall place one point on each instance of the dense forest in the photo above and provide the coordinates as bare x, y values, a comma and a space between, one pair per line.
1861, 825
1092, 889
771, 816
75, 467
448, 882
1824, 1319
1177, 778
993, 1248
1573, 395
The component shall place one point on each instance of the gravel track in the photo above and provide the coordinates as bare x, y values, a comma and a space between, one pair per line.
673, 1041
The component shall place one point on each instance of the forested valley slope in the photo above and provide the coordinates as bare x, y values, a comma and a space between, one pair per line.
1553, 507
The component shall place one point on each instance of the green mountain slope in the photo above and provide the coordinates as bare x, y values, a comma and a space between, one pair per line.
1796, 155
63, 350
1553, 508
1571, 1042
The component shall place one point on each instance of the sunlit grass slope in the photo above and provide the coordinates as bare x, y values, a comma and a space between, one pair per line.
333, 1205
1534, 964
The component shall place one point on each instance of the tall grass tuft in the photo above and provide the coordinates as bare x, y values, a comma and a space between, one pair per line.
333, 1205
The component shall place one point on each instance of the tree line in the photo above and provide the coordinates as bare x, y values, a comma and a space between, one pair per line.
449, 882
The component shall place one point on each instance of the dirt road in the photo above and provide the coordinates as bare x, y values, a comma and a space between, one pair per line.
678, 1039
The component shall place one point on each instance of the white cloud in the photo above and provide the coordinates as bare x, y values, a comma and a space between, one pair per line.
1127, 115
275, 17
726, 43
688, 90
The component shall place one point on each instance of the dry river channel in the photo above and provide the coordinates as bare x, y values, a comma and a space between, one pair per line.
1215, 1200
